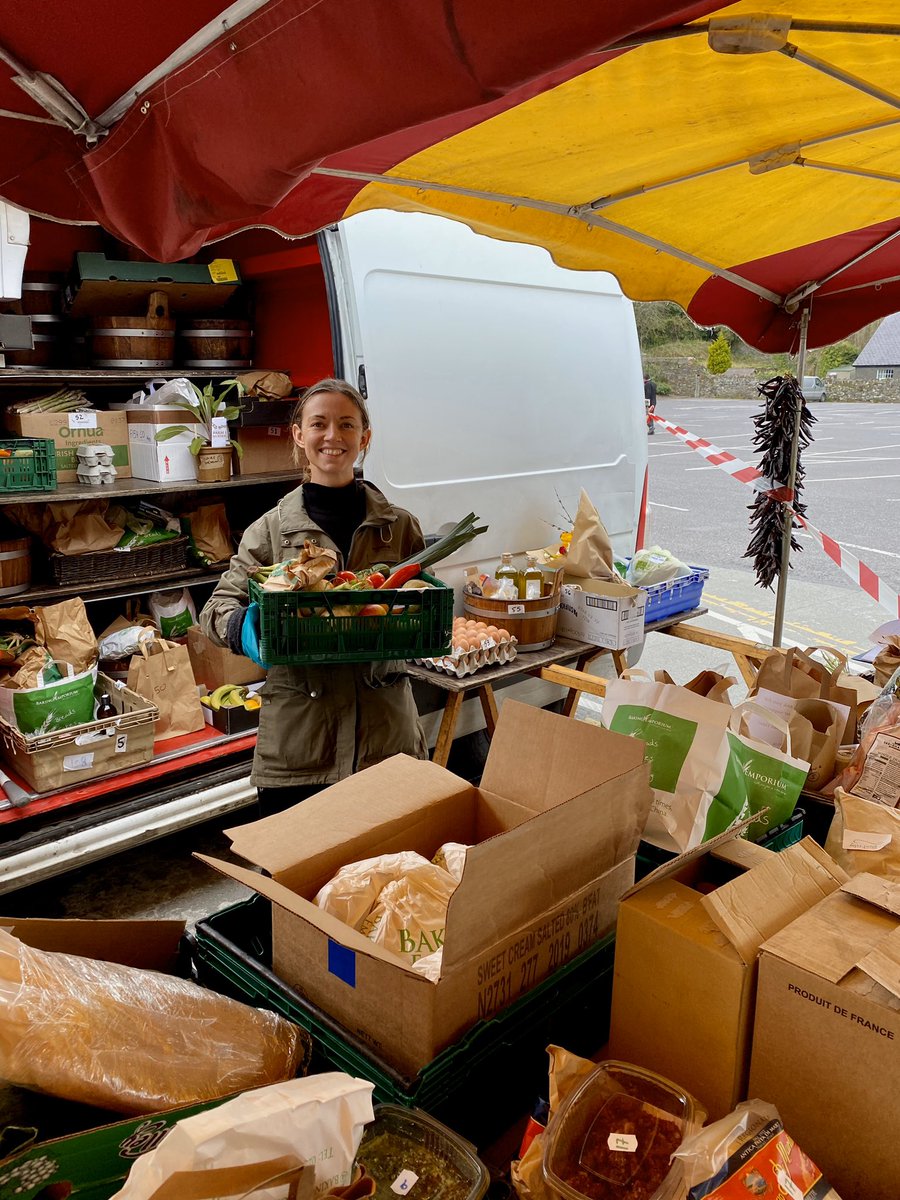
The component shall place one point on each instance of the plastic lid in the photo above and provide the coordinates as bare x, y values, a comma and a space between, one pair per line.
407, 1152
615, 1134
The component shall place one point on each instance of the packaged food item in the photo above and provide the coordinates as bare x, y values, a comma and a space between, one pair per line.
174, 612
614, 1137
748, 1153
409, 1151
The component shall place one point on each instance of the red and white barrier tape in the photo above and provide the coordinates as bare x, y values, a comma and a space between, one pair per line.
864, 577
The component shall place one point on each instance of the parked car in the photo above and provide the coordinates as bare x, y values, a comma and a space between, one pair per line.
813, 388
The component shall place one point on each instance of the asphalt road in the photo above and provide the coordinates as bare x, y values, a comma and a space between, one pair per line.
852, 492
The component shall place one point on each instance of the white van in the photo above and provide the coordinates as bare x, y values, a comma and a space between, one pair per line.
498, 383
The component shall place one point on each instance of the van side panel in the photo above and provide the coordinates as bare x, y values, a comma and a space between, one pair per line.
497, 382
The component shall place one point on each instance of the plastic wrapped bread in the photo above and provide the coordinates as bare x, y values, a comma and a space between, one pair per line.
130, 1040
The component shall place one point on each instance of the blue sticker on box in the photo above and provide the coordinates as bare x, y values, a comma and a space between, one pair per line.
342, 962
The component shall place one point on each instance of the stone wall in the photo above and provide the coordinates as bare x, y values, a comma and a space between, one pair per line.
689, 377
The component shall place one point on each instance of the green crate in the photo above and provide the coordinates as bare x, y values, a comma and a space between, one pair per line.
36, 473
480, 1084
779, 837
289, 639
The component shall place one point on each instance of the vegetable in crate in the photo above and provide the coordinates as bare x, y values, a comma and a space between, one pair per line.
319, 724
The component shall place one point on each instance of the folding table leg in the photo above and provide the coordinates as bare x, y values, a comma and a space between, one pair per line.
448, 725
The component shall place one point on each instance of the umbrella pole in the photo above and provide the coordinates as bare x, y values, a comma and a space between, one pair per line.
781, 594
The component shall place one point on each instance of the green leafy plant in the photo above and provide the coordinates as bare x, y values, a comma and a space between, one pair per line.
208, 404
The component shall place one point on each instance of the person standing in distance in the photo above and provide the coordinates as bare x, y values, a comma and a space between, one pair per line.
650, 399
321, 723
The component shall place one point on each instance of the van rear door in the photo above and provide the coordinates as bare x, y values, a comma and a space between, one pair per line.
498, 382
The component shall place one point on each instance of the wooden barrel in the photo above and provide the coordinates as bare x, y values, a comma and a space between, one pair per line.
42, 293
15, 566
221, 342
147, 341
47, 335
532, 622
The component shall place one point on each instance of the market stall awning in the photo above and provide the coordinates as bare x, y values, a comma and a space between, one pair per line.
734, 162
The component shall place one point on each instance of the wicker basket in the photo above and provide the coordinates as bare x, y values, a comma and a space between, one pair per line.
101, 566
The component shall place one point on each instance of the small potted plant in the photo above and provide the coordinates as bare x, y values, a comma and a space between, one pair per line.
213, 462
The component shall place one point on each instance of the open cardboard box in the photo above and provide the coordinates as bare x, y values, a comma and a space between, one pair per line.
686, 959
601, 612
826, 1044
553, 831
94, 1163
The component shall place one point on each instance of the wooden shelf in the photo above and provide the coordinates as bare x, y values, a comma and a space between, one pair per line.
59, 376
112, 589
142, 487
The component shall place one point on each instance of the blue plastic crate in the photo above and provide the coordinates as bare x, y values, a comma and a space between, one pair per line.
675, 595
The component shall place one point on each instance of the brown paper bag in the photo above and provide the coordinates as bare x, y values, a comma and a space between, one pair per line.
162, 673
864, 836
590, 554
66, 632
266, 385
71, 527
887, 660
795, 674
708, 683
825, 729
208, 529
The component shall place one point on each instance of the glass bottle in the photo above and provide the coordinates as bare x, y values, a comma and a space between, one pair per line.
507, 577
105, 708
532, 581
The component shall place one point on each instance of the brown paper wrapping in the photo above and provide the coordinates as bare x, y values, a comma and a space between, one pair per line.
590, 554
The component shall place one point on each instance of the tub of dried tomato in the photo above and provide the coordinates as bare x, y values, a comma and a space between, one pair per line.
407, 1152
614, 1136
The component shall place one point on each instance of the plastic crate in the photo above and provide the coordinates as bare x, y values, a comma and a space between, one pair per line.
675, 595
288, 638
37, 473
790, 832
480, 1084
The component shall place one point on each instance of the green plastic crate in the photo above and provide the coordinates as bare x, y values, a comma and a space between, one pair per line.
480, 1084
36, 473
288, 638
649, 857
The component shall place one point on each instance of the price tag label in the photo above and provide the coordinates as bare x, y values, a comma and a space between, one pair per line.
82, 420
78, 762
222, 270
625, 1143
865, 841
220, 436
121, 743
275, 430
404, 1182
515, 609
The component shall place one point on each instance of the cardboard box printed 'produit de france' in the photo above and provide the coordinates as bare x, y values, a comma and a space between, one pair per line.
553, 831
826, 1045
686, 961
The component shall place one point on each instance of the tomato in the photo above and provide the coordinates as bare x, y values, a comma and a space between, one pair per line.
375, 580
346, 576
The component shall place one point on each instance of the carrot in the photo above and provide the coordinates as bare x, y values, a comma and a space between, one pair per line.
401, 575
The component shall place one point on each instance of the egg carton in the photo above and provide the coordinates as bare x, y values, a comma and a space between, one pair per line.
98, 454
96, 475
460, 663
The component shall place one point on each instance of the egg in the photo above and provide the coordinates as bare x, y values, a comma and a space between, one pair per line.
493, 632
503, 635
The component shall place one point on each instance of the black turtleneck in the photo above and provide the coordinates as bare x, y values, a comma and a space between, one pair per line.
338, 511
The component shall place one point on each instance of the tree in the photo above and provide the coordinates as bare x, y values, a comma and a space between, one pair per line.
719, 358
841, 354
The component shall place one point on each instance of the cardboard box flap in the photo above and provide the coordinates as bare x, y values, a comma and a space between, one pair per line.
346, 935
542, 759
883, 893
602, 587
883, 963
336, 826
774, 892
151, 945
677, 864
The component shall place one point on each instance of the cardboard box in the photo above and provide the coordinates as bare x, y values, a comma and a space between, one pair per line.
266, 448
93, 1163
214, 665
826, 1045
553, 831
605, 614
686, 962
170, 460
68, 431
232, 720
98, 285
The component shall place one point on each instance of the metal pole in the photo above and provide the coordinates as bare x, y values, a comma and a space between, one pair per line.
781, 594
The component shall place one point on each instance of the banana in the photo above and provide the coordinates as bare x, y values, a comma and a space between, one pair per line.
222, 696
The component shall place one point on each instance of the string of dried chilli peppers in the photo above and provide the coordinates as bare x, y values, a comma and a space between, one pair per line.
774, 434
